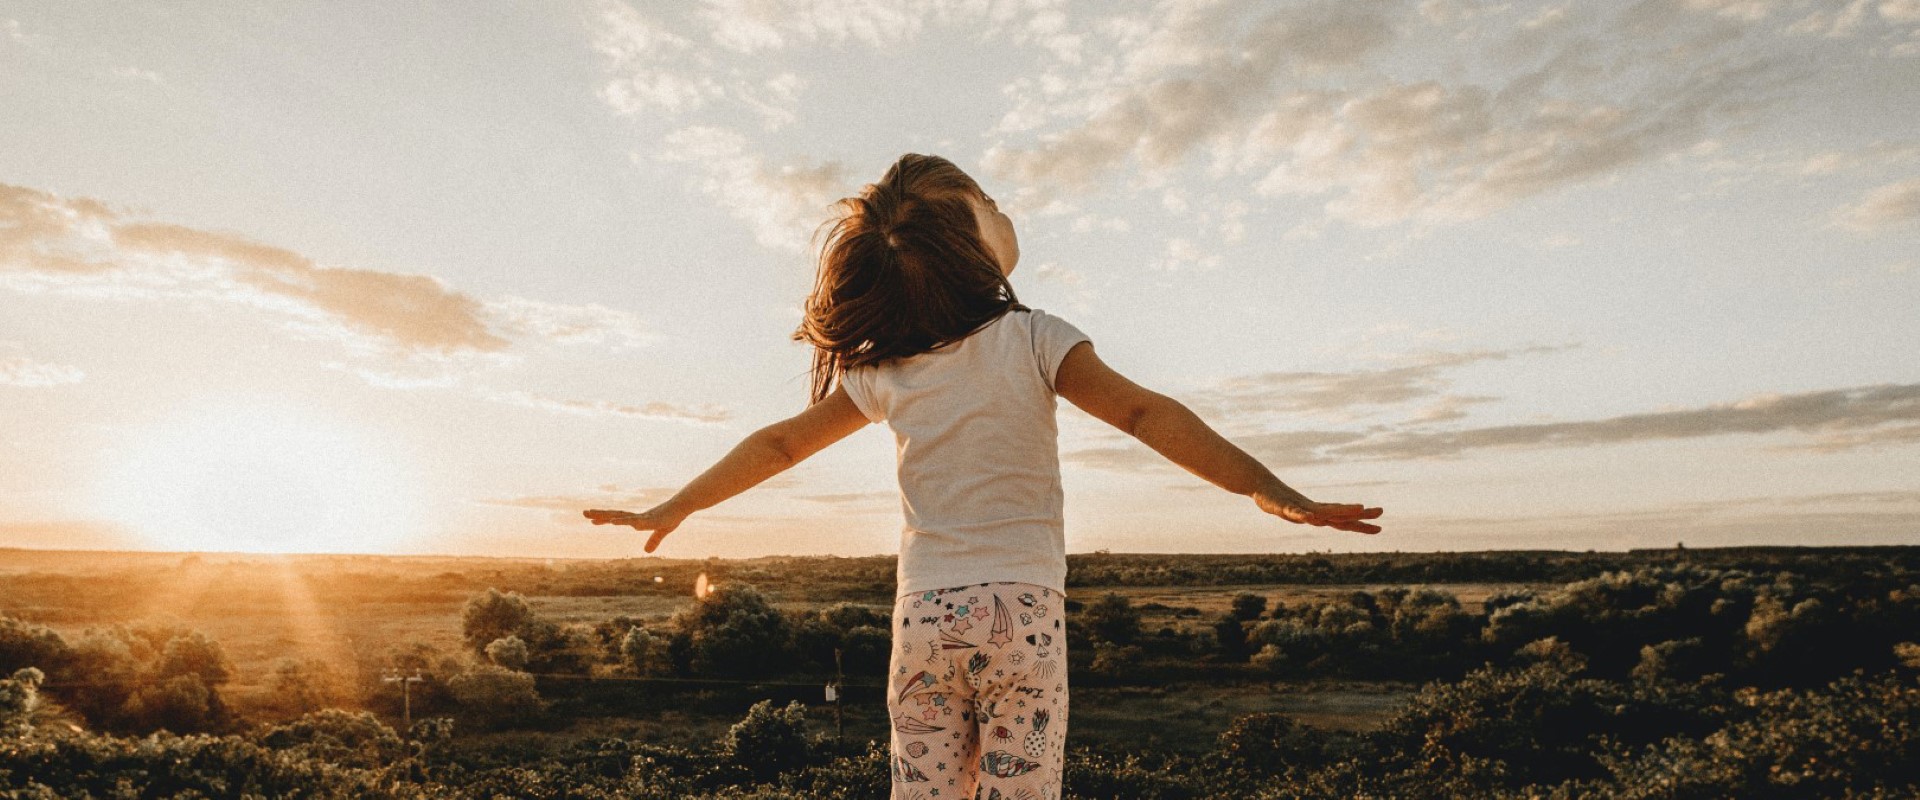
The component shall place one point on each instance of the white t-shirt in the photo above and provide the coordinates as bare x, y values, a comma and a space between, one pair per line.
977, 447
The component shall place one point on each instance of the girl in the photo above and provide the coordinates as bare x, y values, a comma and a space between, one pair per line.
914, 323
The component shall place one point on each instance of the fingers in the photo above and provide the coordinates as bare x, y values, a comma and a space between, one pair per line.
654, 540
1339, 516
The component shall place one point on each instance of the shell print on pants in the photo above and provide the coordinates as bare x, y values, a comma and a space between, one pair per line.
1002, 764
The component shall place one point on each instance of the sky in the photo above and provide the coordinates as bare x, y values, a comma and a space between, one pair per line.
433, 277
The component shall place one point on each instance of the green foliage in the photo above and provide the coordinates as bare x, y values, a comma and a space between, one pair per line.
509, 652
1112, 618
19, 695
734, 632
347, 738
494, 615
642, 653
1248, 606
768, 740
304, 686
24, 644
496, 695
1230, 637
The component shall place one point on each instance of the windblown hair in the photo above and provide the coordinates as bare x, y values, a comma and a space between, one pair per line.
903, 270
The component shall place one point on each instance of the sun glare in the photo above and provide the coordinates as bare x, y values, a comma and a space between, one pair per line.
264, 479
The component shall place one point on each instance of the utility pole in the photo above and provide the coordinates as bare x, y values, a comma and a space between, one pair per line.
406, 694
833, 696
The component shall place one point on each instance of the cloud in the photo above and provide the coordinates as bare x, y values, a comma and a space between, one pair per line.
702, 415
1595, 92
1192, 73
1276, 449
417, 312
568, 505
782, 204
83, 247
80, 246
609, 496
1893, 205
1835, 419
570, 324
1345, 395
748, 25
1835, 518
853, 497
649, 64
1842, 412
30, 374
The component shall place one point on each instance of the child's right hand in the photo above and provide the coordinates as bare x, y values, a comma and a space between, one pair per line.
1292, 506
660, 519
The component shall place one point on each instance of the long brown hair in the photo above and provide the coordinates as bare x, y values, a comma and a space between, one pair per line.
903, 270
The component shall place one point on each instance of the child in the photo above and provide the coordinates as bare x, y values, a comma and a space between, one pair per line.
914, 324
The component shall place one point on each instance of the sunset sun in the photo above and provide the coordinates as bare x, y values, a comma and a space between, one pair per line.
260, 478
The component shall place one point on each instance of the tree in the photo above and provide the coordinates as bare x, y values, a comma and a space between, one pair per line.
1232, 636
23, 644
1112, 618
1248, 606
303, 687
768, 741
496, 694
18, 697
509, 652
493, 616
734, 631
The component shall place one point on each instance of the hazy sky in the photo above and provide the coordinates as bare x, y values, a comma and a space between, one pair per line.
435, 276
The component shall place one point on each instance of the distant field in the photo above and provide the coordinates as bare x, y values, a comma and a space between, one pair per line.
350, 611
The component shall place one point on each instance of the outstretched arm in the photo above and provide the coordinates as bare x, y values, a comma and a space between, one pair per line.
1174, 431
763, 454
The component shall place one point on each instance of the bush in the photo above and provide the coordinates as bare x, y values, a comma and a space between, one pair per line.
348, 738
18, 697
1248, 606
509, 652
492, 616
495, 694
735, 632
1112, 618
768, 741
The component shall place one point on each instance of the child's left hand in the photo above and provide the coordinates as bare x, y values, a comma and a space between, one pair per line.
660, 519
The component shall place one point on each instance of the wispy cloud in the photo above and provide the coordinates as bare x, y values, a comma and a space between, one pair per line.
1832, 420
703, 415
591, 323
27, 373
1243, 83
1893, 205
80, 246
782, 204
1830, 413
1349, 394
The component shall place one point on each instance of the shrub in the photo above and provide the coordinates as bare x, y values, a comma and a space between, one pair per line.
735, 632
768, 741
495, 694
349, 738
18, 697
509, 652
1248, 606
1112, 618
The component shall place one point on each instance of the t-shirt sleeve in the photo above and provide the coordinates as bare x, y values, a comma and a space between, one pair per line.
865, 395
1052, 338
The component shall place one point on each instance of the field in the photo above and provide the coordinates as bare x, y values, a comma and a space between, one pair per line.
349, 611
1780, 672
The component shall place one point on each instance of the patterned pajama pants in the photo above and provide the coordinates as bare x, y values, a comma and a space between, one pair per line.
977, 691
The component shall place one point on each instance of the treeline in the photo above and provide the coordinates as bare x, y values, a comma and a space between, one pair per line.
1538, 730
